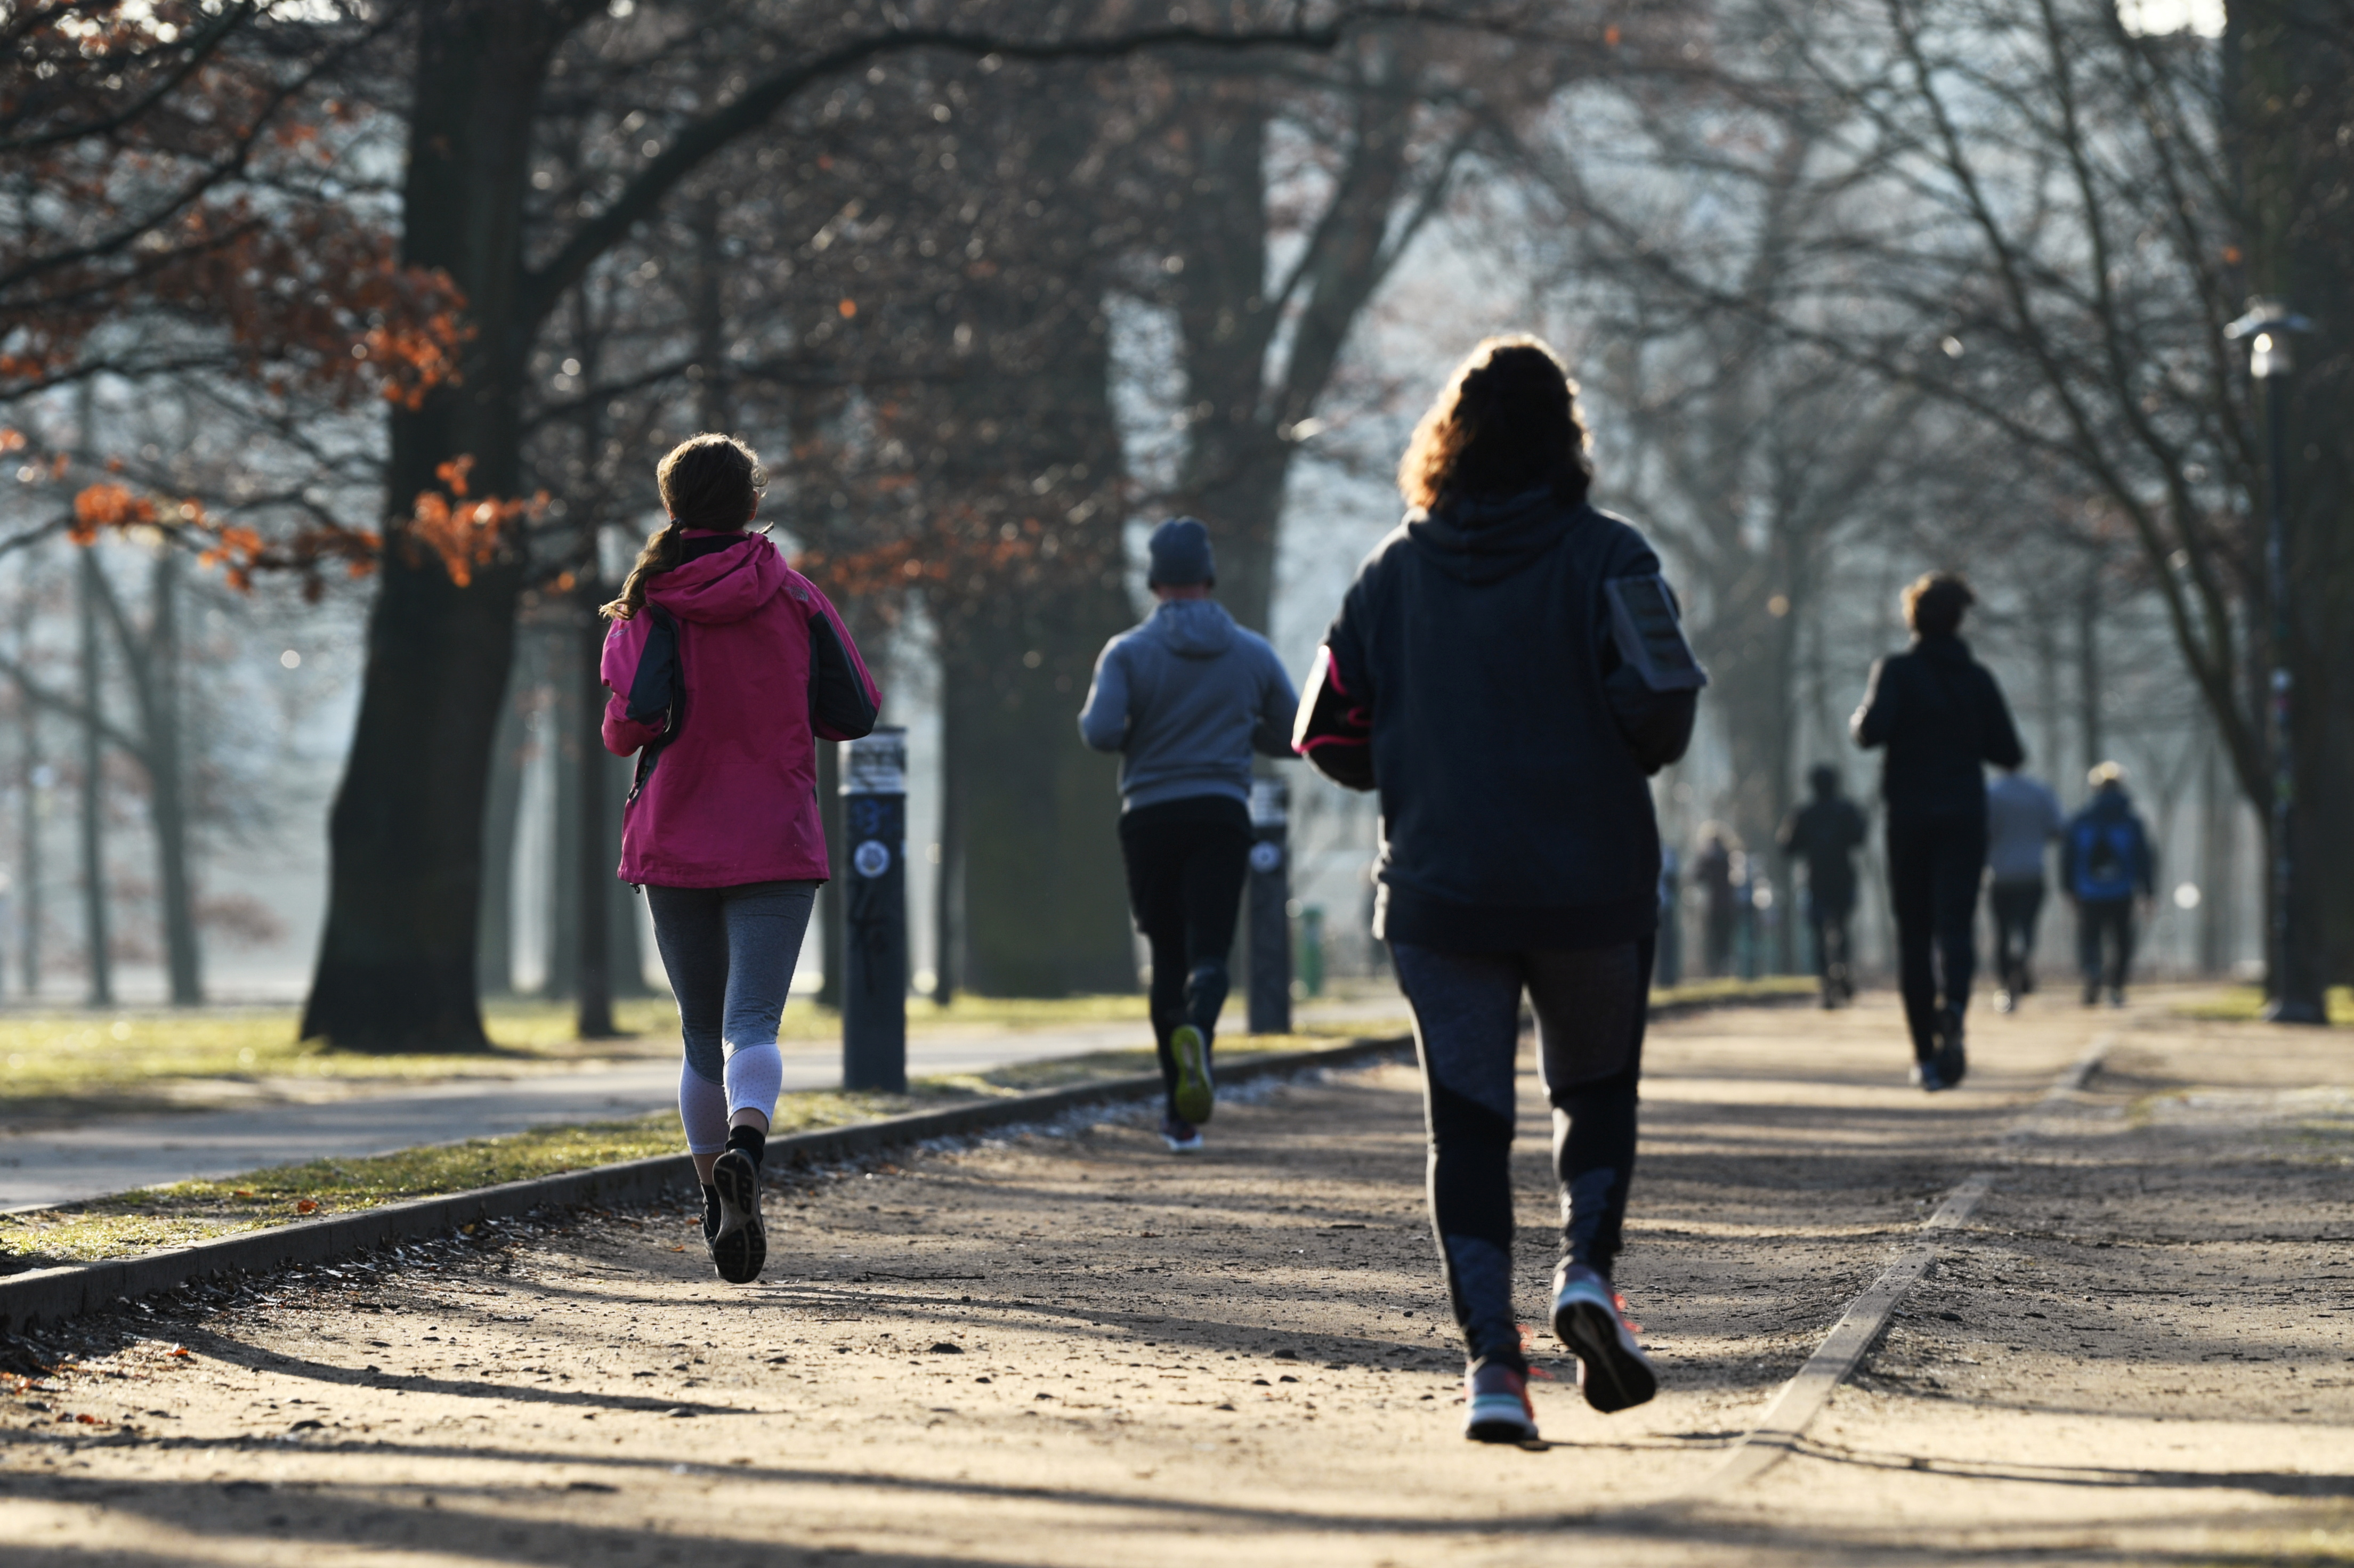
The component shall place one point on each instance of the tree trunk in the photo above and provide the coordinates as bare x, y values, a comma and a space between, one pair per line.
31, 813
396, 961
568, 898
625, 970
95, 934
593, 872
168, 783
2088, 665
1045, 891
2289, 87
501, 814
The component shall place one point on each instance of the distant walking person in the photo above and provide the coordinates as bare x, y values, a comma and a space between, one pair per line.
1508, 670
2022, 817
1826, 832
1186, 698
1942, 717
1715, 871
2109, 863
727, 667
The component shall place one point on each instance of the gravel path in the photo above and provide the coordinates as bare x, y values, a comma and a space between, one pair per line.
1070, 1347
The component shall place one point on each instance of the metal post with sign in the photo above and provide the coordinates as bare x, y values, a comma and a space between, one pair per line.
1270, 908
874, 911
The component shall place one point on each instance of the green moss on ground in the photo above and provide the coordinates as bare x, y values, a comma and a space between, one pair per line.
2245, 1004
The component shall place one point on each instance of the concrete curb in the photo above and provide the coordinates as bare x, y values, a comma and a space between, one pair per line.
51, 1294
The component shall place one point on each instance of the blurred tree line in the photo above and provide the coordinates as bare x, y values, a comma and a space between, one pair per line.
459, 270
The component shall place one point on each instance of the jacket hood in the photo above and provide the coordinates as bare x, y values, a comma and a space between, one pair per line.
726, 585
1194, 628
2110, 805
1486, 539
1947, 647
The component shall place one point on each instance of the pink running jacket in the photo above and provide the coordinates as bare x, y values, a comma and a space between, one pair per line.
722, 684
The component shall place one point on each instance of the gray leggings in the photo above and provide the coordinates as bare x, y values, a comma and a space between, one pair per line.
1590, 1006
730, 953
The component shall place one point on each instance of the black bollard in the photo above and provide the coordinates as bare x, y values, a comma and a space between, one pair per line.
874, 912
1270, 908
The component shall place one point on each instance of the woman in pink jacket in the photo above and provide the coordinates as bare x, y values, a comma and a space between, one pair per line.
727, 667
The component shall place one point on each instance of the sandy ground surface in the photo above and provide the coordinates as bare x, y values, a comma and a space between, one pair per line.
1071, 1348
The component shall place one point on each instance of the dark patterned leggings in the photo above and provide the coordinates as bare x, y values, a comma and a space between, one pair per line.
1590, 1007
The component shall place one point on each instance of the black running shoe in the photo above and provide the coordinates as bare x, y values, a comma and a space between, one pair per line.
1590, 1319
738, 1246
1953, 1060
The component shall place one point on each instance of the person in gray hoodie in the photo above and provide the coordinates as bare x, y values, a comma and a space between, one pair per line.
1186, 698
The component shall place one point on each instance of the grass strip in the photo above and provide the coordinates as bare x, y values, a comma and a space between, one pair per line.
2245, 1004
155, 1218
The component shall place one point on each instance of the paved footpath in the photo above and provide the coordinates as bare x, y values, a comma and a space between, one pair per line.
1070, 1347
50, 1165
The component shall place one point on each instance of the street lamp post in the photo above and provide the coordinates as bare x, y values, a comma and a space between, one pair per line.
2297, 990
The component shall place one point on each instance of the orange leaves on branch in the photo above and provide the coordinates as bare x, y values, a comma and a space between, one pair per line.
107, 506
467, 534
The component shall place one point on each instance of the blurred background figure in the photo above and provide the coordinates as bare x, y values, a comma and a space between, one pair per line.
1941, 715
1717, 871
2110, 863
2022, 816
1825, 834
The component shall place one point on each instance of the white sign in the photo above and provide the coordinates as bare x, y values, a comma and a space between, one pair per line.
872, 858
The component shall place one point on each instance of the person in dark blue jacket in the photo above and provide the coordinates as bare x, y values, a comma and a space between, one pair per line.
2109, 864
1942, 718
1508, 670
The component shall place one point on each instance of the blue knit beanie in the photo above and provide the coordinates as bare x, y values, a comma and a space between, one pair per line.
1181, 553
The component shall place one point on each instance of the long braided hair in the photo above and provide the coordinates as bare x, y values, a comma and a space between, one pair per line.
707, 481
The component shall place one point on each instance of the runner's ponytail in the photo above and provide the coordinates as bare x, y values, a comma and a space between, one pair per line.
661, 554
707, 481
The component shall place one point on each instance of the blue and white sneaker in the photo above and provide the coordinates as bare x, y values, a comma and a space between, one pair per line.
1181, 1137
1590, 1318
1496, 1407
1197, 1096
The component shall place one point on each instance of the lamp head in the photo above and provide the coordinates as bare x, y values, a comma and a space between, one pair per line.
2268, 326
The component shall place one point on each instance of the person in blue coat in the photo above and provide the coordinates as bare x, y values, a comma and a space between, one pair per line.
2110, 864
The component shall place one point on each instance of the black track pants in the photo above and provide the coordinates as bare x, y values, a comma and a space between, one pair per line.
2016, 906
1590, 1007
1933, 867
1187, 863
2104, 940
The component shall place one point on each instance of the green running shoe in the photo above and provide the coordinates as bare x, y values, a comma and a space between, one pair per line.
1196, 1096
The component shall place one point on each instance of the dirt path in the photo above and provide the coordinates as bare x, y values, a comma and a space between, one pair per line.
1076, 1350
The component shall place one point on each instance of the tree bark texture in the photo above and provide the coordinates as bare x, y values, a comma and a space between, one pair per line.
31, 813
502, 815
592, 967
2292, 87
1243, 412
396, 961
96, 936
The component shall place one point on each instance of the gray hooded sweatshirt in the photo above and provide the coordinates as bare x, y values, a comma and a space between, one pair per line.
1186, 698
